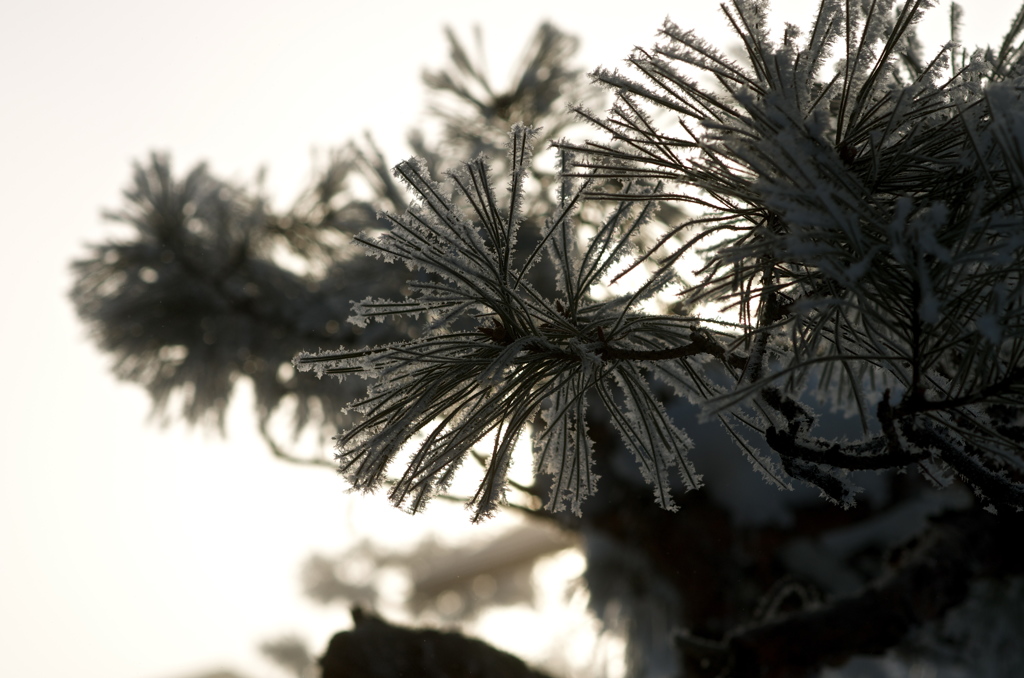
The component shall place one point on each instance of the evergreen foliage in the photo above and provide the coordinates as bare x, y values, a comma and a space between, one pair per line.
864, 228
196, 297
212, 284
864, 225
829, 222
527, 351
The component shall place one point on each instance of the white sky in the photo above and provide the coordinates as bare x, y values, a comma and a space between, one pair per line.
131, 552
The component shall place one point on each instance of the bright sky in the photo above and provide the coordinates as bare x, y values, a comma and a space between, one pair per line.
131, 552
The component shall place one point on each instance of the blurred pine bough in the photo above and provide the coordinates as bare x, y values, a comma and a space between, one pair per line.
860, 231
214, 285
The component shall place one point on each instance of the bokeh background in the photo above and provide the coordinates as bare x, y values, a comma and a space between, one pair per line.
128, 550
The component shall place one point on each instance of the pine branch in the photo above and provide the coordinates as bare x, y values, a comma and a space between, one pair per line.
929, 579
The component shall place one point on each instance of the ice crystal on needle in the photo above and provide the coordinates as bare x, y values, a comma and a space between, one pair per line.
498, 352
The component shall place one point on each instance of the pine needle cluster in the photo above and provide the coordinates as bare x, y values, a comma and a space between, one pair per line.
863, 227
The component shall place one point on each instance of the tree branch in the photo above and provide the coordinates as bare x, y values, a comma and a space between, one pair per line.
868, 455
931, 577
700, 343
276, 450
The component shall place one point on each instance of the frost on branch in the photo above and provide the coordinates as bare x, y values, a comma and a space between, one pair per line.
865, 226
862, 228
497, 355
